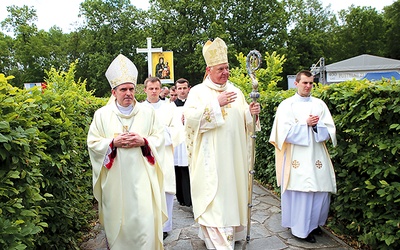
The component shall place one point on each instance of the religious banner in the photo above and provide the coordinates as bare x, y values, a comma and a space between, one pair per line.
163, 66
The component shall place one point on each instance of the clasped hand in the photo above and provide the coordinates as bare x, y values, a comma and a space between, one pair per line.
312, 120
128, 140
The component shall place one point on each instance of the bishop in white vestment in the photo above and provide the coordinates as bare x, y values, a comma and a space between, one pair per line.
218, 123
126, 148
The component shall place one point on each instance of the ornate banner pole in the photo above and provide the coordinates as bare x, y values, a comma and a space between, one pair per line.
253, 63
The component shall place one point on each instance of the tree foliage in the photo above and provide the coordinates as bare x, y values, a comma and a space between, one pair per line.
363, 26
392, 36
112, 27
310, 35
302, 30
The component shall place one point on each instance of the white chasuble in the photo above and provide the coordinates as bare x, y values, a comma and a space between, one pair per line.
130, 194
218, 148
302, 159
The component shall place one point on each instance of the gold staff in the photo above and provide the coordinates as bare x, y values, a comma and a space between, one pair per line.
253, 63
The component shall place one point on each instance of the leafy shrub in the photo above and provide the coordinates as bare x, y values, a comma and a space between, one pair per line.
21, 151
46, 186
65, 109
366, 160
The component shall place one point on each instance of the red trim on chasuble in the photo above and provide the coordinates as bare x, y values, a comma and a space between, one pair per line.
111, 156
146, 152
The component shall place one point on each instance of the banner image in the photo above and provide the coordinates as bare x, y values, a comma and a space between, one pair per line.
163, 66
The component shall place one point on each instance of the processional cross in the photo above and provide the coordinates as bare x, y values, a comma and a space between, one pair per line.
149, 50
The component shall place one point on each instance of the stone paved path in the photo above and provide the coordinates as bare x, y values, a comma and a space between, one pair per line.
266, 230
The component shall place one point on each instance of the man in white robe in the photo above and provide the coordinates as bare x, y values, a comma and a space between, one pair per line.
303, 166
173, 132
126, 148
218, 123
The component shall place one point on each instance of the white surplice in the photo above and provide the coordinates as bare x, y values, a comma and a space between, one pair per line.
303, 166
173, 131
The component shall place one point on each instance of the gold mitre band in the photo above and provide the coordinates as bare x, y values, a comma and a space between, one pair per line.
121, 70
215, 52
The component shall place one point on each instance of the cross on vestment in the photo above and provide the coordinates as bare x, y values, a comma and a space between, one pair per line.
149, 50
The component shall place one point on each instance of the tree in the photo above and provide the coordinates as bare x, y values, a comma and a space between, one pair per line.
360, 31
254, 24
310, 35
391, 16
112, 27
24, 64
184, 27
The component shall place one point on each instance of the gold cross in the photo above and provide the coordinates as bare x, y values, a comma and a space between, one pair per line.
295, 164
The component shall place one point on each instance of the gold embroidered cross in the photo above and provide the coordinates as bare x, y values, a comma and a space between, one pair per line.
207, 114
318, 164
295, 164
224, 113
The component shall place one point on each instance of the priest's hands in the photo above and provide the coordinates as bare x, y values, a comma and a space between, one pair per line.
254, 108
128, 140
312, 120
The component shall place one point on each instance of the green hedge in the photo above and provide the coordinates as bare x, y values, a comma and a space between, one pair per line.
366, 159
46, 197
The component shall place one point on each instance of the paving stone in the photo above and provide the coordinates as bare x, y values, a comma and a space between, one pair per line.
266, 231
258, 231
270, 200
269, 243
274, 223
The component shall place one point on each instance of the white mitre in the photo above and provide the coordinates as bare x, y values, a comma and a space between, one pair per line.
121, 70
215, 52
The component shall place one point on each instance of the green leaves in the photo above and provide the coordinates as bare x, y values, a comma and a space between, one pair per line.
44, 163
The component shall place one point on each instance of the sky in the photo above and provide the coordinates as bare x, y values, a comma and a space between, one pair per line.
64, 13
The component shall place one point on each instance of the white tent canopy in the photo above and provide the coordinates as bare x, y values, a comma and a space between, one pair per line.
357, 67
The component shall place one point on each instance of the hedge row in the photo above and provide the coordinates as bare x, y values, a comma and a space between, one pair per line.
45, 177
366, 159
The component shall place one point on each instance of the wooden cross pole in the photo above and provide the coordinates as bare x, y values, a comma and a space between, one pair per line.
149, 50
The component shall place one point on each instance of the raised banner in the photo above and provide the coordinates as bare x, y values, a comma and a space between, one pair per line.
163, 66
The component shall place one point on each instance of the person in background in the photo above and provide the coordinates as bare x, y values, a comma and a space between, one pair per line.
164, 93
183, 194
218, 125
126, 147
172, 94
304, 170
173, 131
